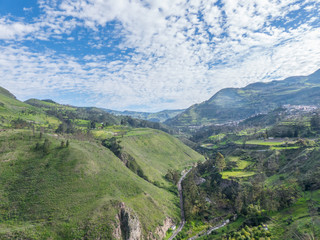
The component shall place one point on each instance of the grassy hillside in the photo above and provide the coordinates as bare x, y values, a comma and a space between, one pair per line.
156, 152
12, 109
64, 112
71, 192
233, 104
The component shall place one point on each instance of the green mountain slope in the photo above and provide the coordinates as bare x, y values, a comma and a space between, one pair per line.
233, 104
72, 112
84, 191
72, 192
154, 117
156, 152
13, 111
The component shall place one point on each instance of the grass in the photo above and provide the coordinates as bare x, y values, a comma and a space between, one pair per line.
71, 188
236, 174
261, 142
217, 137
296, 219
156, 152
12, 109
192, 228
241, 164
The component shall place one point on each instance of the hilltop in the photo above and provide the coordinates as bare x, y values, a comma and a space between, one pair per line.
234, 104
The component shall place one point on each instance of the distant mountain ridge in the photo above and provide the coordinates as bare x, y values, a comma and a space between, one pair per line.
161, 116
234, 104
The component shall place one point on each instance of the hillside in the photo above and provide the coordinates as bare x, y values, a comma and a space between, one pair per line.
60, 176
153, 117
156, 152
72, 112
73, 192
234, 104
15, 113
261, 175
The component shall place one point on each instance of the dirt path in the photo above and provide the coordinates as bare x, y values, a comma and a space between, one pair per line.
183, 220
208, 232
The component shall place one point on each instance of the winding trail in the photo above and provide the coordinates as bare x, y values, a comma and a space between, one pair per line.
183, 219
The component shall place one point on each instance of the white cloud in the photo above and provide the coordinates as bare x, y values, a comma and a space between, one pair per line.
14, 30
182, 52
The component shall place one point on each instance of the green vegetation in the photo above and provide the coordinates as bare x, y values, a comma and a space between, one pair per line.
76, 173
271, 178
233, 104
70, 187
236, 174
156, 152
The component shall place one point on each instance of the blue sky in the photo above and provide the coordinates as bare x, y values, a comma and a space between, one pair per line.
150, 55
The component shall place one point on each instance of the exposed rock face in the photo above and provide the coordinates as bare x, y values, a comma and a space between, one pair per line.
128, 226
160, 231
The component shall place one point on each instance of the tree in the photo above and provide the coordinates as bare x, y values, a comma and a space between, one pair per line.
315, 122
220, 162
46, 146
172, 176
114, 145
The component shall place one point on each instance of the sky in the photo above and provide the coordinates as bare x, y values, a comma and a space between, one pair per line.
150, 55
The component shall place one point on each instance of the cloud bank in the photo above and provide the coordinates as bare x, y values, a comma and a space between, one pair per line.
156, 54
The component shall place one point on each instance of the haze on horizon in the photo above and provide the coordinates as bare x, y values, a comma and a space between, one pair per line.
150, 55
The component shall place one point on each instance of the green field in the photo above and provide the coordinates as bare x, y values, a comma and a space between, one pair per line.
241, 164
261, 142
236, 174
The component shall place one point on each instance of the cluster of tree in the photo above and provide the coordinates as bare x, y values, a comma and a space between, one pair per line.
19, 123
311, 180
248, 233
254, 200
139, 123
315, 122
114, 145
66, 126
173, 176
296, 129
197, 199
205, 132
251, 199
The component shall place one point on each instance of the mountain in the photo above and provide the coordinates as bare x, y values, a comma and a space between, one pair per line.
153, 117
14, 112
91, 115
234, 104
6, 93
65, 174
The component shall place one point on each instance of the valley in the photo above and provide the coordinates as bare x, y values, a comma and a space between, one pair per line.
71, 172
